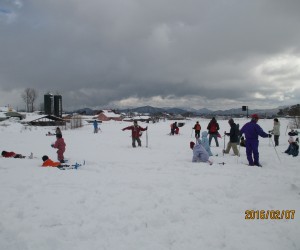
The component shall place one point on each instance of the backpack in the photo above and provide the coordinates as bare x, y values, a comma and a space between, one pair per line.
213, 128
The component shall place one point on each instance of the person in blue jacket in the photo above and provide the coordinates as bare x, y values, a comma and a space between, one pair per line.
95, 123
252, 130
205, 143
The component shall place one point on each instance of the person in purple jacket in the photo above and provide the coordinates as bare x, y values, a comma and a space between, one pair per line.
252, 130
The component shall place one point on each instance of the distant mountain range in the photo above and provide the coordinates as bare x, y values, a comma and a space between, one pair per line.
152, 110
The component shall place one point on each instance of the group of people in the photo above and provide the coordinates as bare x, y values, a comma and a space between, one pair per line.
201, 149
251, 130
59, 144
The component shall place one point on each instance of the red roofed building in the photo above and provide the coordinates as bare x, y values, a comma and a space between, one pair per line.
108, 115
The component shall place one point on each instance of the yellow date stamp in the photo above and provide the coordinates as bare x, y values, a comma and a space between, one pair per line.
269, 214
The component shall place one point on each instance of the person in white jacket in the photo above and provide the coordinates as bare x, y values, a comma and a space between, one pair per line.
276, 131
199, 153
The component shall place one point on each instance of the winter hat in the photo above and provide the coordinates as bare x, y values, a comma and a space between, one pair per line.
45, 158
230, 121
254, 117
192, 144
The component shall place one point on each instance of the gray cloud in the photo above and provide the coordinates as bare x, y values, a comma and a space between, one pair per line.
101, 53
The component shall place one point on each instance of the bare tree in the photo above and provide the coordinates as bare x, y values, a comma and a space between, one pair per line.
29, 96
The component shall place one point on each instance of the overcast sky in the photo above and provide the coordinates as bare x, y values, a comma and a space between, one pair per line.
214, 54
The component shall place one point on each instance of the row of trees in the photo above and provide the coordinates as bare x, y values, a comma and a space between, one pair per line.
293, 111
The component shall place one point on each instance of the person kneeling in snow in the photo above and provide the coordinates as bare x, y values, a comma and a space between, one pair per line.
293, 148
11, 155
199, 153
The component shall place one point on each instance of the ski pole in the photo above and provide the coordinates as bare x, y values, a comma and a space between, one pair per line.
192, 133
147, 138
224, 144
276, 151
239, 154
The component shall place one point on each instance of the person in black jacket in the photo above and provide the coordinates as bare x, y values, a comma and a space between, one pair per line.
234, 138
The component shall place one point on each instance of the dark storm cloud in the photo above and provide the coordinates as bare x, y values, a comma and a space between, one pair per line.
98, 53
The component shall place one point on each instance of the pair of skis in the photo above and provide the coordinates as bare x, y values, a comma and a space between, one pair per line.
73, 166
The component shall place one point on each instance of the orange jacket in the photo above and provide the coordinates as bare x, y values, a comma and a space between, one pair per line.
50, 163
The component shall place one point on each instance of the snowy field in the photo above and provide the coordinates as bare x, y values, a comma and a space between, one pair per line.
151, 198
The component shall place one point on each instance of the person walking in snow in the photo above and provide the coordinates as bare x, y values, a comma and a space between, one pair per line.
213, 131
136, 132
197, 128
61, 147
252, 130
205, 143
276, 131
95, 124
234, 138
199, 153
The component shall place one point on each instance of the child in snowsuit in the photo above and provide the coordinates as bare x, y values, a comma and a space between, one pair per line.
276, 131
293, 148
252, 130
199, 153
61, 146
234, 137
47, 162
11, 155
213, 130
197, 128
205, 143
135, 133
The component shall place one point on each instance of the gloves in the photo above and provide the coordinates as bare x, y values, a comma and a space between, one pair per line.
269, 135
52, 145
147, 128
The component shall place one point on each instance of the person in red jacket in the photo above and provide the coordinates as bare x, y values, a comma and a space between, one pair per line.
135, 133
11, 155
197, 128
61, 146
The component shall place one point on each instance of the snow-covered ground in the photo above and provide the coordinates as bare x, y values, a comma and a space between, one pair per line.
151, 198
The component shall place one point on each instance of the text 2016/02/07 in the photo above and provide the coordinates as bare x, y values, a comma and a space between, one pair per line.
270, 214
